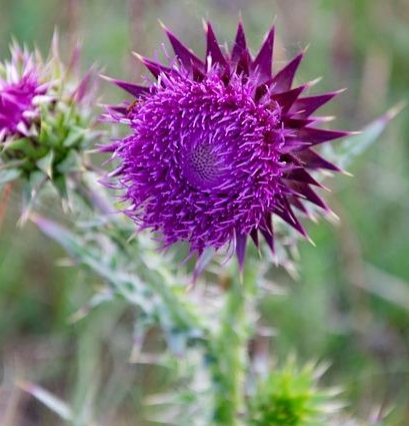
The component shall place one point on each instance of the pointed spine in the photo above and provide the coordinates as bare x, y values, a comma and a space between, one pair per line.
134, 89
283, 80
267, 230
186, 57
213, 49
284, 210
303, 191
263, 63
241, 241
155, 68
240, 44
287, 99
315, 136
313, 161
304, 107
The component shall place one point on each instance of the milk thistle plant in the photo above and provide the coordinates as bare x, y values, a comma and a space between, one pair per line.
218, 150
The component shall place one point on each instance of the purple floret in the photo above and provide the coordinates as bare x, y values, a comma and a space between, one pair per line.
18, 93
219, 146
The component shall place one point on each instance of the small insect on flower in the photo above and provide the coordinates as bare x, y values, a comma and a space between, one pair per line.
218, 147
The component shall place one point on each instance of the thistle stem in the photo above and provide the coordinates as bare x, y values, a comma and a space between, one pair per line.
230, 351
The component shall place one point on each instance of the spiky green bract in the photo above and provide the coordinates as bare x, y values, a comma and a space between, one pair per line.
46, 118
290, 396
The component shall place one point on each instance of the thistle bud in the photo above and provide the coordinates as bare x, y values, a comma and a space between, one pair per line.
46, 119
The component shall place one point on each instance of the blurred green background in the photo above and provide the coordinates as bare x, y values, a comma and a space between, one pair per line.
350, 304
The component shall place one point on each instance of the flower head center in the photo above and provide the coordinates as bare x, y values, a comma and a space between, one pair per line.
202, 164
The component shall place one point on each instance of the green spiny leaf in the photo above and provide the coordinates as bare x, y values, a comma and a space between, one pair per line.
46, 164
355, 145
8, 175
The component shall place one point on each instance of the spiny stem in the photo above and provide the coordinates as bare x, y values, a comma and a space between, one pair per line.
230, 351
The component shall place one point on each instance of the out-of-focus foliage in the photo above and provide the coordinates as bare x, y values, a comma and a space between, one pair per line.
290, 396
350, 304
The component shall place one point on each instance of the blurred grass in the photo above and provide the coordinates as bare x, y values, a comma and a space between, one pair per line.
333, 311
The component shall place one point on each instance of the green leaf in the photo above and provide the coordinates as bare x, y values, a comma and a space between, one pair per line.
129, 286
16, 144
46, 164
155, 292
177, 341
48, 134
74, 137
103, 296
11, 164
60, 184
8, 175
355, 145
71, 163
31, 188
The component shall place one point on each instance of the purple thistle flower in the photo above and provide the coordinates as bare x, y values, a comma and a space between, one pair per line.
47, 123
20, 93
219, 146
46, 118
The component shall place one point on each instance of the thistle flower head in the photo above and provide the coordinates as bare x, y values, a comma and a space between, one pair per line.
45, 117
20, 92
219, 146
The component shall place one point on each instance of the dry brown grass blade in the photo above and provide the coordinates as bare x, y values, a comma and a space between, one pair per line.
4, 202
